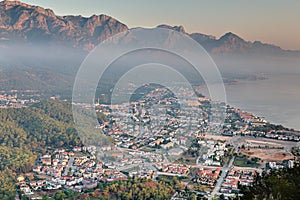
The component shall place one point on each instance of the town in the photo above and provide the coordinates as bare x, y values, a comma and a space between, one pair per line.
150, 141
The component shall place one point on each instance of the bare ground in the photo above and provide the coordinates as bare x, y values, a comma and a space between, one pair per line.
268, 155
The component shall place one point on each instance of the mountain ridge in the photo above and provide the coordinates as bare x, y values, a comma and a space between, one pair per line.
27, 23
23, 22
43, 51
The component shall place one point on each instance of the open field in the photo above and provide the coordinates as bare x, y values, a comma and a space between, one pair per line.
246, 161
268, 155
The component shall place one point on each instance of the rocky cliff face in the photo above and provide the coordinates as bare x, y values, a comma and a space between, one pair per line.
26, 23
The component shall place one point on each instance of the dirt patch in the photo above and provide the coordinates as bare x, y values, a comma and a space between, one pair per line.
218, 137
268, 155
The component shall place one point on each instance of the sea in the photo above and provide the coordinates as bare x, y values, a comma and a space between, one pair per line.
276, 98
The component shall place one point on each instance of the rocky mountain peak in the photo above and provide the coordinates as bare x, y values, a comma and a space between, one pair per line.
231, 43
231, 37
174, 28
23, 22
7, 5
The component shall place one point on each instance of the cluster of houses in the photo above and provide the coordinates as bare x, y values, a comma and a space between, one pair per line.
236, 177
76, 170
180, 169
29, 188
111, 175
283, 135
139, 124
142, 173
207, 176
11, 99
249, 118
24, 187
51, 166
239, 122
279, 165
215, 153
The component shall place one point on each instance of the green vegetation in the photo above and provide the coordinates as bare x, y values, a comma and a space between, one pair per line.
244, 161
282, 184
135, 189
60, 195
268, 127
7, 182
27, 132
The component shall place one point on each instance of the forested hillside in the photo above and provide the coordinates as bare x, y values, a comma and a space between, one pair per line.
27, 132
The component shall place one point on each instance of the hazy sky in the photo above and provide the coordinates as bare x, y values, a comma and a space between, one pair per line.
271, 21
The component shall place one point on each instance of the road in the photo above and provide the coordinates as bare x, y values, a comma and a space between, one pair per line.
166, 159
70, 164
169, 174
199, 157
222, 177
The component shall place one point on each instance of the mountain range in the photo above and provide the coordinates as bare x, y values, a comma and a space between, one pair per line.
43, 51
20, 22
